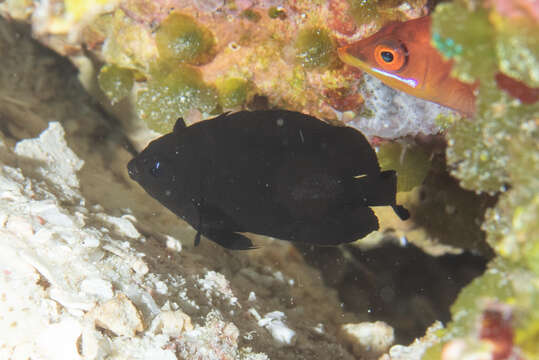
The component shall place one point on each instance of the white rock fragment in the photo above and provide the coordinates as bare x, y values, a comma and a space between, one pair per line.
98, 287
161, 287
279, 276
59, 341
122, 224
173, 244
94, 344
215, 283
273, 322
61, 162
252, 296
118, 315
72, 302
50, 213
319, 328
368, 340
415, 350
20, 225
137, 264
171, 323
217, 339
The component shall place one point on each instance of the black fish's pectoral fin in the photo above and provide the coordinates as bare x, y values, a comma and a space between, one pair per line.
179, 126
197, 238
401, 212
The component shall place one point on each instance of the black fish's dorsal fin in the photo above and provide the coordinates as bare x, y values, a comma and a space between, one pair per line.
179, 126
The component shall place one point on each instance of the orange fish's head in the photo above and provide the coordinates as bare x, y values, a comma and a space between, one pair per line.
400, 55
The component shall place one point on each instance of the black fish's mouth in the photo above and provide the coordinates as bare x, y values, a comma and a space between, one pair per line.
133, 169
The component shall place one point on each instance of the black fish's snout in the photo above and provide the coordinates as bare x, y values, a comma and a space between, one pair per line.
133, 169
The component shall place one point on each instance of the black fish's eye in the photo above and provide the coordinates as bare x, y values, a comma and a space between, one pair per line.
156, 169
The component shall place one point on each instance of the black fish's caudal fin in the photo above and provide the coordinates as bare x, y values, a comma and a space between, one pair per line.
380, 190
376, 190
401, 212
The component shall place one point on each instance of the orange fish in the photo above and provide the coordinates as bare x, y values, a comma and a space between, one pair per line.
400, 55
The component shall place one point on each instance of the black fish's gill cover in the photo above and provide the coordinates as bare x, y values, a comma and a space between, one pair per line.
276, 173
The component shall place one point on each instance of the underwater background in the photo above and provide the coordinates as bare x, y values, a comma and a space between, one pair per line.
94, 267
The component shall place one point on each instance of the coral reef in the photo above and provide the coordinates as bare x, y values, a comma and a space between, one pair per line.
496, 151
284, 51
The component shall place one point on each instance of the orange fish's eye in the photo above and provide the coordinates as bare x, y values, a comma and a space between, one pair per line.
390, 58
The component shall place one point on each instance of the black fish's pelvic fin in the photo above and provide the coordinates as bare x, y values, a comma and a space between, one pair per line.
179, 126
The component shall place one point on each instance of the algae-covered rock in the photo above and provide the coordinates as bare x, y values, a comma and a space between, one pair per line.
410, 162
181, 39
478, 148
115, 82
517, 48
315, 47
233, 91
169, 95
496, 151
380, 10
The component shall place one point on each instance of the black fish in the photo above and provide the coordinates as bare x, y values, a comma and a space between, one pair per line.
276, 173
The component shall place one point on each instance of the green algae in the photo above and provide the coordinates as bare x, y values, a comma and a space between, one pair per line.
170, 94
233, 92
512, 226
315, 48
479, 147
410, 162
472, 34
517, 49
115, 82
379, 11
181, 39
276, 13
251, 15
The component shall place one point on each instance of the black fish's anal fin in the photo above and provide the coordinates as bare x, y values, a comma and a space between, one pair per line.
217, 226
179, 126
231, 240
401, 212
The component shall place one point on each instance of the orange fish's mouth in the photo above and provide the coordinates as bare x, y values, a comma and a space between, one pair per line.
348, 58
